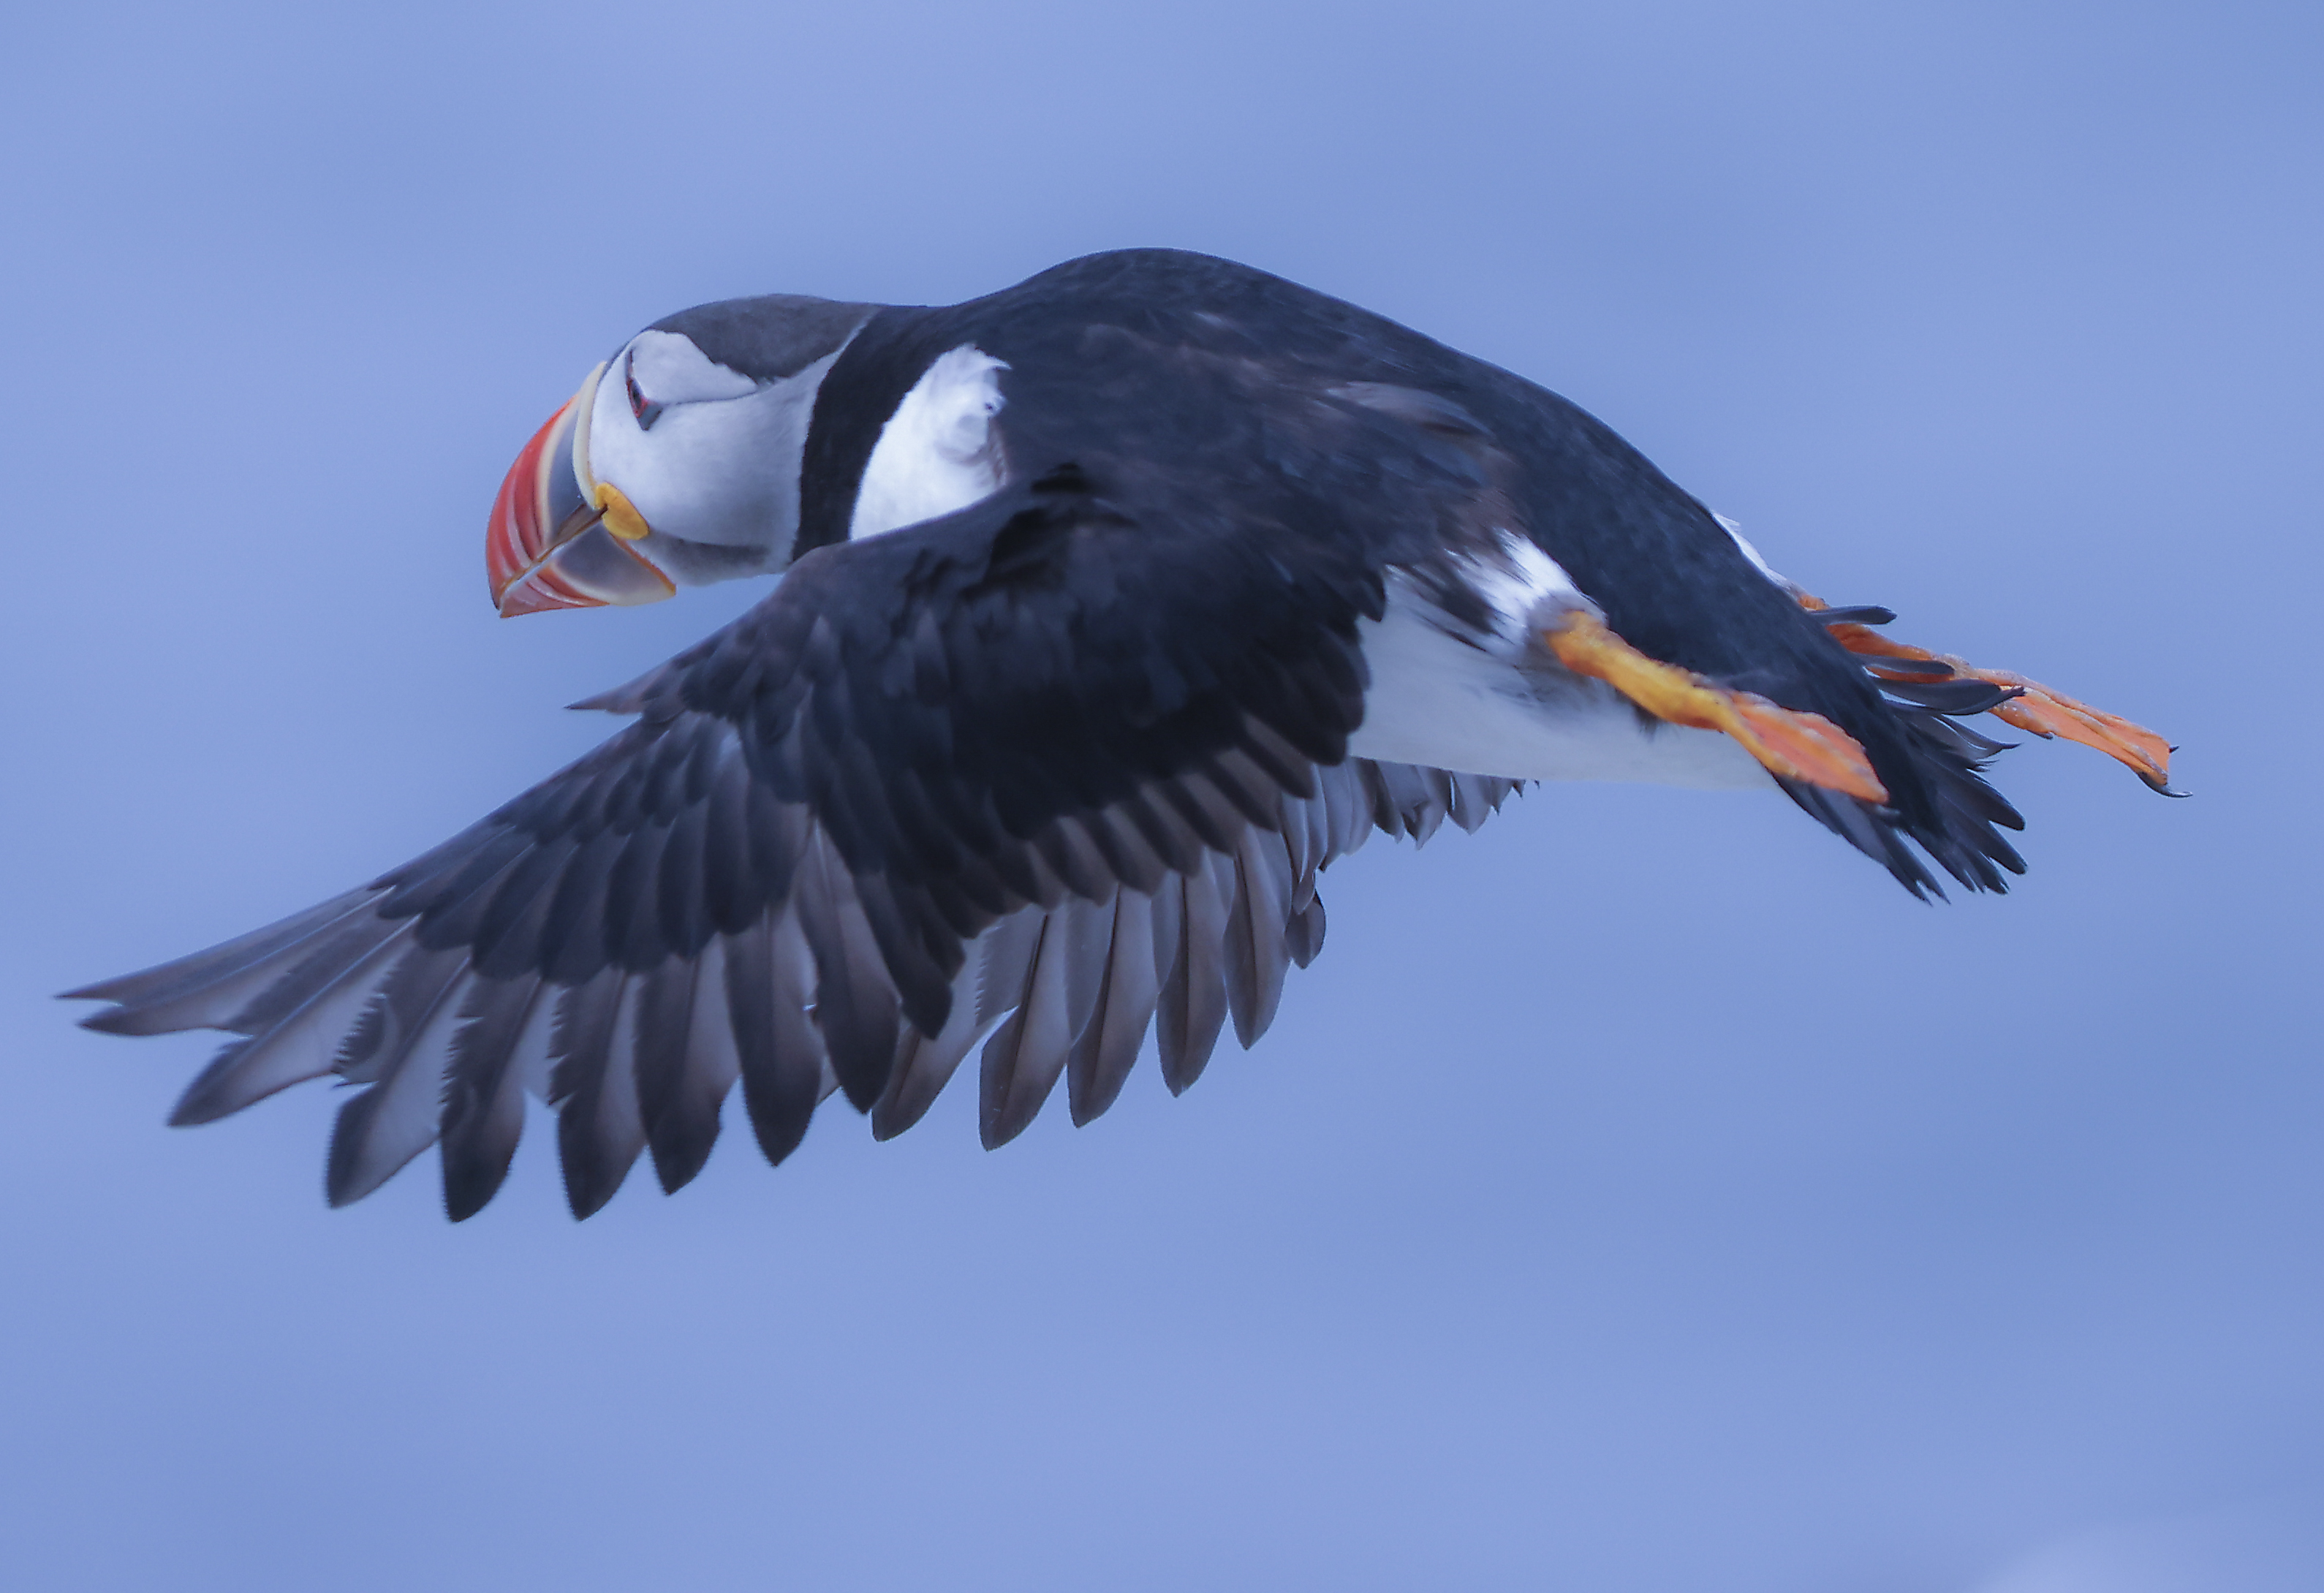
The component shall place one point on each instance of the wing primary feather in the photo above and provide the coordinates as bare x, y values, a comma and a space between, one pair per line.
483, 1094
572, 942
450, 910
1089, 930
384, 1125
854, 1005
151, 990
255, 996
1193, 1006
922, 979
1004, 961
683, 1132
670, 1025
593, 1085
1303, 937
1169, 912
1256, 955
925, 1063
1107, 1049
300, 1045
507, 939
770, 979
684, 867
1026, 1053
633, 934
735, 897
399, 1007
456, 871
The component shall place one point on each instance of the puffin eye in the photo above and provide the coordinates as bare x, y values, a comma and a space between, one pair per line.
639, 406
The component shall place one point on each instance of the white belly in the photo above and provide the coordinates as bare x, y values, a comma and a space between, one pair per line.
1439, 702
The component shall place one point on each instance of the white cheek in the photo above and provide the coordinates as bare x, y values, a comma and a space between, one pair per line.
723, 473
940, 450
690, 476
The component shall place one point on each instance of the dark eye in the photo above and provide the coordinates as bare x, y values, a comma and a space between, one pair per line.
639, 406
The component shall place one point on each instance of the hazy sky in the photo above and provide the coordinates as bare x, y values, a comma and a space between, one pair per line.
1642, 1195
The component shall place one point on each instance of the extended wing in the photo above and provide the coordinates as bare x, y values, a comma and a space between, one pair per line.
1046, 772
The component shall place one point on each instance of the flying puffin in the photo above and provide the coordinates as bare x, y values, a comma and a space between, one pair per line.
1115, 606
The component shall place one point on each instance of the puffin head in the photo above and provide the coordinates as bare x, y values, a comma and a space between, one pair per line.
675, 464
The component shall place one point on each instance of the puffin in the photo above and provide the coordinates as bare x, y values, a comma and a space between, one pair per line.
1113, 609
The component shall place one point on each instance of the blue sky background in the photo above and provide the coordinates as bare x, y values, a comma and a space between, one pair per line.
1642, 1195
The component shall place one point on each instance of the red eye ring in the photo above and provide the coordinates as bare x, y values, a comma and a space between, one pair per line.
639, 406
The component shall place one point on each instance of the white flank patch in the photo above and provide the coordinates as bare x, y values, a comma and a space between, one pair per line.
1439, 699
939, 451
1525, 588
1734, 530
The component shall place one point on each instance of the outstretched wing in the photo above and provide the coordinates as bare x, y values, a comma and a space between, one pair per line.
1067, 762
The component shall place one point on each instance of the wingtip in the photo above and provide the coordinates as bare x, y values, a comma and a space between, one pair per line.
192, 1111
996, 1128
585, 1198
473, 1167
112, 1020
463, 1199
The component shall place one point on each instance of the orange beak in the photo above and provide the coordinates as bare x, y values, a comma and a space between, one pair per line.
547, 545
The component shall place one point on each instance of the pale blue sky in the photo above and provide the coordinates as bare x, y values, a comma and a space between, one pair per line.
1642, 1195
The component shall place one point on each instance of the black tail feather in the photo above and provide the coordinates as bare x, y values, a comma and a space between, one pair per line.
1959, 822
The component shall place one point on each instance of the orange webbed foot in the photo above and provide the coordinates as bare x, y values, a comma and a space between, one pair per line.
1792, 744
2036, 709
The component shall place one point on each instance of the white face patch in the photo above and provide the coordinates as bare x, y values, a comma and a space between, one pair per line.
717, 470
669, 369
940, 450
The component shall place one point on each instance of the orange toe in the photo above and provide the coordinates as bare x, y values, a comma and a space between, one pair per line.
1796, 745
2037, 709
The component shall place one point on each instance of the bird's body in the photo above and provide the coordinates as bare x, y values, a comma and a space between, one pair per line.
1118, 604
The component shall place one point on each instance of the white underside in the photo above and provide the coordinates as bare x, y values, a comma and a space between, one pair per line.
1438, 701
